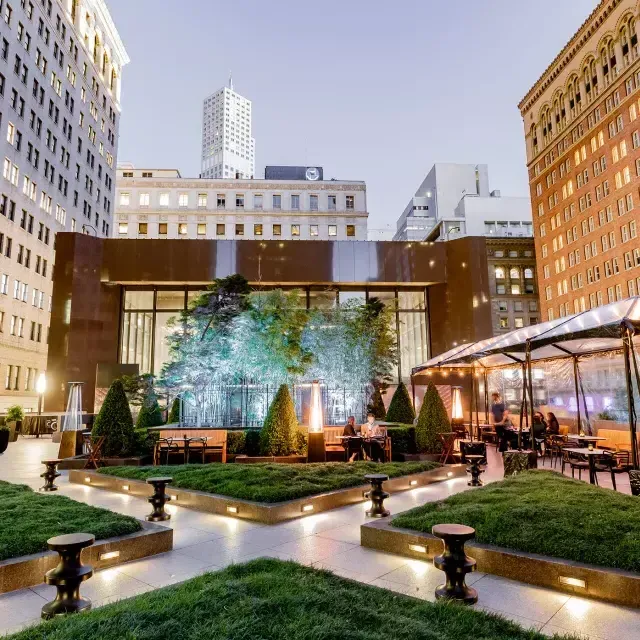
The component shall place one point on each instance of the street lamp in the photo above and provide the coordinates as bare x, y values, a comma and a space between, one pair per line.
41, 387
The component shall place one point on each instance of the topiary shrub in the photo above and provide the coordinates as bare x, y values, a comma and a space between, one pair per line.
403, 439
150, 414
433, 419
376, 405
174, 414
236, 442
401, 407
115, 423
278, 435
301, 442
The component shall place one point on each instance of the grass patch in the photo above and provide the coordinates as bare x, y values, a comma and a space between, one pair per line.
30, 519
270, 482
268, 600
543, 512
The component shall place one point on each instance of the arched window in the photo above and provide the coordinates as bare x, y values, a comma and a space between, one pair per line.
612, 55
593, 71
96, 48
112, 82
499, 273
534, 136
576, 88
514, 273
528, 273
604, 61
586, 76
105, 62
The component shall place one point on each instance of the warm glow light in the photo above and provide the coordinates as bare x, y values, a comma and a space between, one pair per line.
449, 474
173, 498
307, 507
572, 582
231, 509
125, 487
315, 413
413, 483
109, 555
87, 479
456, 403
418, 548
41, 383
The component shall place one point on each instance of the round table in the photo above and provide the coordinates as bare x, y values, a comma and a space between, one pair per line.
591, 456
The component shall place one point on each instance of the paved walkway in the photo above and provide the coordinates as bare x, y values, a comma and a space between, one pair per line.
331, 540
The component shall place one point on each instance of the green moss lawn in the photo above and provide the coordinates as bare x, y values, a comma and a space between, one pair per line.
268, 600
29, 519
270, 482
546, 513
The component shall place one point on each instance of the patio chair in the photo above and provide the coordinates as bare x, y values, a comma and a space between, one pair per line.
94, 451
614, 462
169, 448
576, 461
448, 442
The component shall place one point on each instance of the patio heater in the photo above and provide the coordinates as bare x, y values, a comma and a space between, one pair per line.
315, 446
71, 424
457, 418
41, 387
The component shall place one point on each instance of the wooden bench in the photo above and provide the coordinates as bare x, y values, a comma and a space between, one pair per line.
216, 440
617, 439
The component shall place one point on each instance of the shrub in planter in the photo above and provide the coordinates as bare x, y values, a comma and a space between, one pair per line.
174, 414
252, 442
115, 423
278, 434
236, 442
376, 405
4, 438
433, 420
15, 413
144, 442
401, 407
301, 441
150, 414
403, 439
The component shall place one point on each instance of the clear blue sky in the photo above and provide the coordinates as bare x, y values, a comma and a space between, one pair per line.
369, 89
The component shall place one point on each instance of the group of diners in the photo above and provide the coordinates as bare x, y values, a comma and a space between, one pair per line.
508, 434
364, 442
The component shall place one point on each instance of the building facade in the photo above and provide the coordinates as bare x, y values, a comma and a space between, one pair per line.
228, 147
60, 70
161, 204
454, 200
583, 156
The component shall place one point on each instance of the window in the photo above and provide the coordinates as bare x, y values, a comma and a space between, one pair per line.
257, 229
221, 201
144, 199
162, 228
295, 202
333, 230
257, 201
500, 273
202, 200
239, 204
518, 323
142, 228
202, 229
295, 230
331, 202
504, 323
277, 201
220, 229
123, 227
313, 203
163, 200
313, 230
277, 229
515, 289
182, 229
350, 202
239, 229
183, 200
351, 230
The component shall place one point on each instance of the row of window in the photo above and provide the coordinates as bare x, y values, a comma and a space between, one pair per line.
144, 200
515, 273
258, 229
8, 210
13, 378
596, 299
17, 325
518, 322
515, 289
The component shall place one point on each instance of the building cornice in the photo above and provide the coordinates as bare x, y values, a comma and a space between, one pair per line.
238, 185
568, 53
243, 212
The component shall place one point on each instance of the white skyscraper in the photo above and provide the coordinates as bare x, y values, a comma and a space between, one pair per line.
228, 149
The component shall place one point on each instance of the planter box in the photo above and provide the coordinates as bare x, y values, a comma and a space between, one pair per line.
267, 513
517, 461
78, 462
28, 571
612, 585
262, 459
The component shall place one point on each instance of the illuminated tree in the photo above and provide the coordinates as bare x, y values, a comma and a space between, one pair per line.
278, 436
432, 420
115, 423
401, 407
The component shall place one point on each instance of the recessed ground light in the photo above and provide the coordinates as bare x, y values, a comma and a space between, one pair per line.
231, 509
413, 483
418, 548
307, 507
449, 474
573, 582
125, 487
173, 498
87, 479
109, 555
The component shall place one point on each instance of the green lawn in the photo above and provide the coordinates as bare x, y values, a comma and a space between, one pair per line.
270, 482
546, 513
268, 600
29, 519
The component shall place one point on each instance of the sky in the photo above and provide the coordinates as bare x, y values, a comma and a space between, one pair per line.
368, 89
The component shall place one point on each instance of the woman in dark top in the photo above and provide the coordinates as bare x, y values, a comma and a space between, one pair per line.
553, 428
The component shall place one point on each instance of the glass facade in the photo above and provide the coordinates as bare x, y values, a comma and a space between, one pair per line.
146, 313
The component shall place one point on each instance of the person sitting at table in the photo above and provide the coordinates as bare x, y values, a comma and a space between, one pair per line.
352, 446
350, 427
553, 427
539, 428
374, 439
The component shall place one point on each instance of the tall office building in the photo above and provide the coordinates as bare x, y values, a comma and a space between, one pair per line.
60, 69
583, 155
228, 148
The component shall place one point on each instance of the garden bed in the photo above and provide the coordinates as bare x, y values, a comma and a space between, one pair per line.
267, 493
270, 599
34, 518
537, 527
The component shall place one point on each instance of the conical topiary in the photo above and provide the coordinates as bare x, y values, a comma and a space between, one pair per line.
150, 414
115, 423
174, 414
279, 431
376, 405
401, 407
432, 420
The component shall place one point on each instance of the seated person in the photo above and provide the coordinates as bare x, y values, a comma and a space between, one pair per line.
553, 427
375, 434
353, 443
350, 427
539, 428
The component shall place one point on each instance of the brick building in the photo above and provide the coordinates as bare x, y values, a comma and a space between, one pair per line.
582, 128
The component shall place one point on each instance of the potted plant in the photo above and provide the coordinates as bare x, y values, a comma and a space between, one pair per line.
4, 438
14, 418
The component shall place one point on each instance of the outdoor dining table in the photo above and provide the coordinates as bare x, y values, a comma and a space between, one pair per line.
591, 456
478, 428
587, 439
